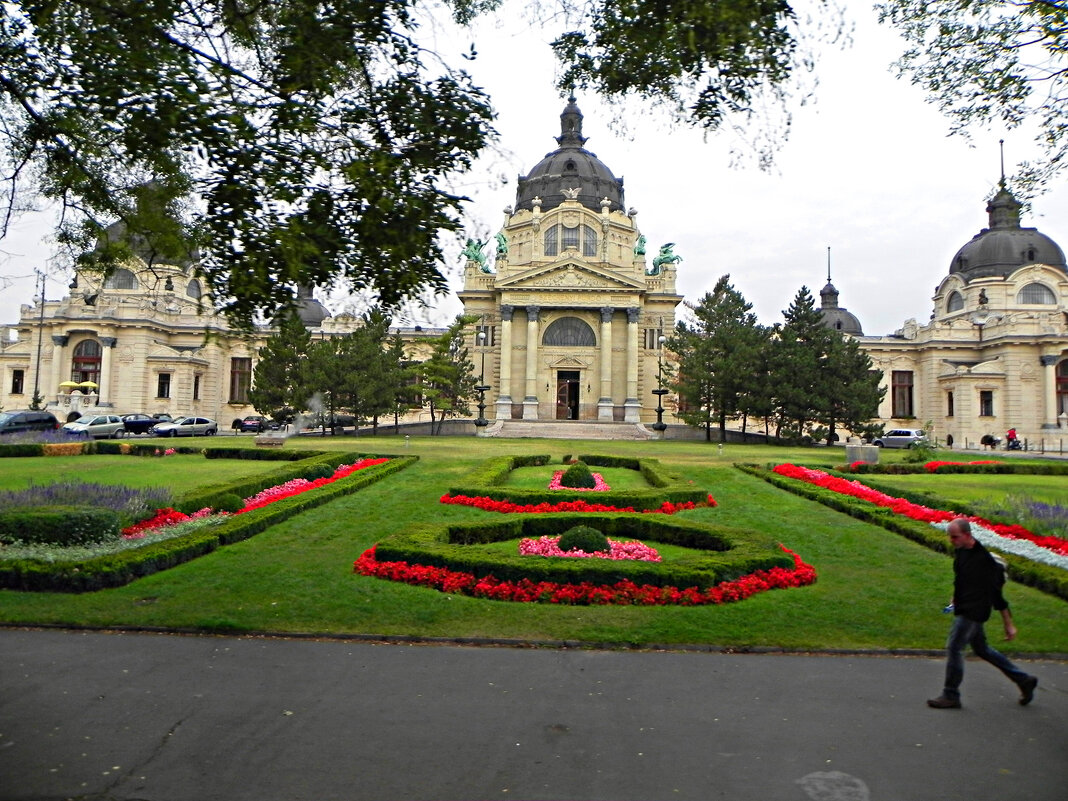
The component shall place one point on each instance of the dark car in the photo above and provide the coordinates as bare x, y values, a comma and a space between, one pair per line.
255, 422
138, 423
17, 420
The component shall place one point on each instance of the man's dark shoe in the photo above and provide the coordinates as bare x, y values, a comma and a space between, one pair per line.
1027, 690
942, 702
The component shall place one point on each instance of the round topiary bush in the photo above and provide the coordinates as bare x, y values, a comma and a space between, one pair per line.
578, 476
230, 502
318, 471
585, 539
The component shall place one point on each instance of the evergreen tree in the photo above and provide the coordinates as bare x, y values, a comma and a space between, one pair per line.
280, 385
448, 377
718, 358
855, 393
799, 366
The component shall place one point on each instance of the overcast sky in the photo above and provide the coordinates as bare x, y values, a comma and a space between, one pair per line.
868, 171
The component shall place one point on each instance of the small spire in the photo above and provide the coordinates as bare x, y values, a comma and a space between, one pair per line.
828, 264
1001, 144
571, 125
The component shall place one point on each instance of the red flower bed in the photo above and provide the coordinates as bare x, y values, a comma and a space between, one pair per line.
623, 592
914, 510
932, 467
507, 507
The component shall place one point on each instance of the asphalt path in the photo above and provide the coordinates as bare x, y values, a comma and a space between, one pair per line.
93, 715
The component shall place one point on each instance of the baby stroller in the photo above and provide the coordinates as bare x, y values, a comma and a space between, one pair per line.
989, 441
1012, 442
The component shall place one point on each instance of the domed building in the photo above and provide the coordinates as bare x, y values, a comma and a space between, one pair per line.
994, 354
570, 313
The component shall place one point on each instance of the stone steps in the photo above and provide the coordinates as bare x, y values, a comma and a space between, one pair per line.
570, 429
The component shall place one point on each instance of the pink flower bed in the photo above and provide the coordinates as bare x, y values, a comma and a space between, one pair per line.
549, 546
914, 510
623, 592
598, 483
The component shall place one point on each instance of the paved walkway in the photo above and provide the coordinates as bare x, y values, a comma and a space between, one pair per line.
185, 718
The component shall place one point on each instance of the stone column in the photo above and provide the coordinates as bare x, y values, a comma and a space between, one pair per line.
530, 400
59, 342
104, 390
504, 396
1049, 382
632, 406
604, 403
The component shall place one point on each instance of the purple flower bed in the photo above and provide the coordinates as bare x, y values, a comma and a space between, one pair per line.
132, 504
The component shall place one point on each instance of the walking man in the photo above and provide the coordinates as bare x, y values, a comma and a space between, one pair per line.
977, 582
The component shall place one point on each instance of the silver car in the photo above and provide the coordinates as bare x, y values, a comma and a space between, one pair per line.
186, 427
97, 426
900, 438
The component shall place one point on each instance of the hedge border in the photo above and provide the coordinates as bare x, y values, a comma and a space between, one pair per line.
1046, 578
486, 482
904, 468
721, 553
116, 570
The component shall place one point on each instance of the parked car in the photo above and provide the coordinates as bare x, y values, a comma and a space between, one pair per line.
16, 420
162, 418
255, 422
139, 423
186, 427
900, 438
97, 426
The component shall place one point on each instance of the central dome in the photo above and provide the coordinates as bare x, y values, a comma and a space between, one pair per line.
570, 167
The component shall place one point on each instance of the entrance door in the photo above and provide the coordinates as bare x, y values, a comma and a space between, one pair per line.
567, 395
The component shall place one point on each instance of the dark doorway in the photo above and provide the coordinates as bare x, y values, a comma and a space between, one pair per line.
567, 395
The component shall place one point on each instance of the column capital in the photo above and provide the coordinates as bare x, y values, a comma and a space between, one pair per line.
506, 313
1049, 361
532, 312
108, 342
606, 314
633, 315
60, 340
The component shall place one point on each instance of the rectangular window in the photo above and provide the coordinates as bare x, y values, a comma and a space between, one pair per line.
901, 393
196, 387
949, 404
240, 379
163, 385
652, 338
18, 381
571, 238
986, 403
491, 334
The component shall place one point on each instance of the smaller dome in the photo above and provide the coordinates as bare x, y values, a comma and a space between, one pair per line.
836, 317
1005, 246
311, 312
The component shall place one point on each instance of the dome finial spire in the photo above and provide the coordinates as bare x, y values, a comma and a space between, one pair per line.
828, 264
571, 125
1001, 144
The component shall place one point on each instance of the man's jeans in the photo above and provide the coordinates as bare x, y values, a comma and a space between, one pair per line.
967, 632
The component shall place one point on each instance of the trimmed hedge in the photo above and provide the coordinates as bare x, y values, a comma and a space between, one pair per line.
59, 525
486, 482
1018, 467
1049, 579
22, 449
719, 553
116, 570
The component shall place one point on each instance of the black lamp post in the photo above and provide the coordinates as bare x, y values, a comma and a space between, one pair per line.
482, 388
660, 392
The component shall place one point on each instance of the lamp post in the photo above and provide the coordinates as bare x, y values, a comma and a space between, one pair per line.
36, 402
660, 392
482, 388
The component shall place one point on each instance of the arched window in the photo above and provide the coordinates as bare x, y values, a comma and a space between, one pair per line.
121, 279
559, 238
955, 302
193, 290
1038, 294
85, 363
569, 332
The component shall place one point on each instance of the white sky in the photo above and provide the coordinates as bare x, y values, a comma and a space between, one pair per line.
868, 171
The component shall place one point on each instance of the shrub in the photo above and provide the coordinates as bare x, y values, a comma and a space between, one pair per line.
578, 475
59, 525
585, 539
131, 505
229, 502
318, 471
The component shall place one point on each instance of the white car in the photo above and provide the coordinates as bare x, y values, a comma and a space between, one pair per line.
186, 427
900, 438
97, 426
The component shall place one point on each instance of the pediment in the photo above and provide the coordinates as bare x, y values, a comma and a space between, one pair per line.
565, 362
570, 276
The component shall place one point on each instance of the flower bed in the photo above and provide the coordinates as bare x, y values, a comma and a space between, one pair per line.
586, 593
550, 546
599, 484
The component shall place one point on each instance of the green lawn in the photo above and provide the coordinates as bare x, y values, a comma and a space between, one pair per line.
875, 589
